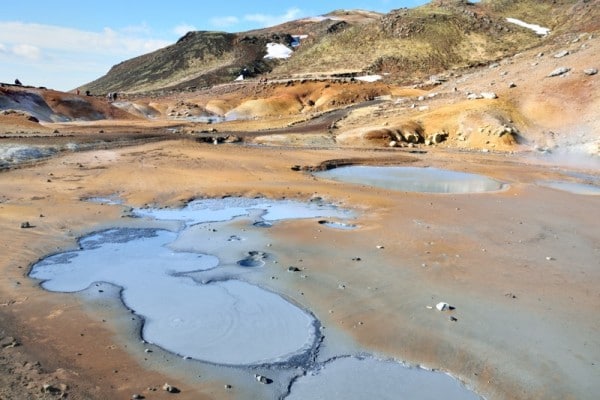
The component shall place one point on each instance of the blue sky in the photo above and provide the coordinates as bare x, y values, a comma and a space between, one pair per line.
62, 44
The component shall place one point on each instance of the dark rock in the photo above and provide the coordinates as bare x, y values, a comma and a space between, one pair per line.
8, 341
263, 379
170, 388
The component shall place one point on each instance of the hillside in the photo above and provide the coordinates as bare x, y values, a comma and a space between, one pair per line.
406, 45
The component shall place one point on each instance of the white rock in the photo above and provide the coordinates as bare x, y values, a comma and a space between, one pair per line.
591, 71
441, 306
489, 95
261, 379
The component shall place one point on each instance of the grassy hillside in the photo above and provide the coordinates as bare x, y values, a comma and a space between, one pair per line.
406, 44
411, 44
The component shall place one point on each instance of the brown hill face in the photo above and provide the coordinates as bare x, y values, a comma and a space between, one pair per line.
197, 59
405, 44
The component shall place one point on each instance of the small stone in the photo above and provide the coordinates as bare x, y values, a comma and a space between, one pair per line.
590, 71
550, 258
262, 379
442, 306
47, 388
562, 54
170, 388
137, 396
489, 95
25, 225
341, 286
8, 342
512, 85
293, 269
453, 319
228, 387
559, 71
380, 247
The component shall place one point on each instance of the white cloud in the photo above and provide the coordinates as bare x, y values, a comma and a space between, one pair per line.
224, 22
27, 51
184, 28
53, 37
141, 29
270, 20
64, 58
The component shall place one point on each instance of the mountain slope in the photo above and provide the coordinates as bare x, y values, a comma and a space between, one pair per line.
405, 44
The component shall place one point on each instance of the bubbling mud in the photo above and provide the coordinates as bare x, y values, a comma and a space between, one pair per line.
190, 287
224, 321
357, 378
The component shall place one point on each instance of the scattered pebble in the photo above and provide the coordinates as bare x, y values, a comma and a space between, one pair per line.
170, 388
559, 71
443, 306
489, 95
262, 379
590, 71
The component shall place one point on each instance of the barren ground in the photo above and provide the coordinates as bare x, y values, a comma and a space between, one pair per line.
521, 266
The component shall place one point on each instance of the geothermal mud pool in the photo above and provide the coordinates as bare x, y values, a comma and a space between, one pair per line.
413, 179
192, 288
573, 187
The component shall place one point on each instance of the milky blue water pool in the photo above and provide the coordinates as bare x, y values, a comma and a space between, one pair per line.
413, 179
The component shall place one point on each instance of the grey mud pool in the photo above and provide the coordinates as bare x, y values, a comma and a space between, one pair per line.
413, 179
192, 287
